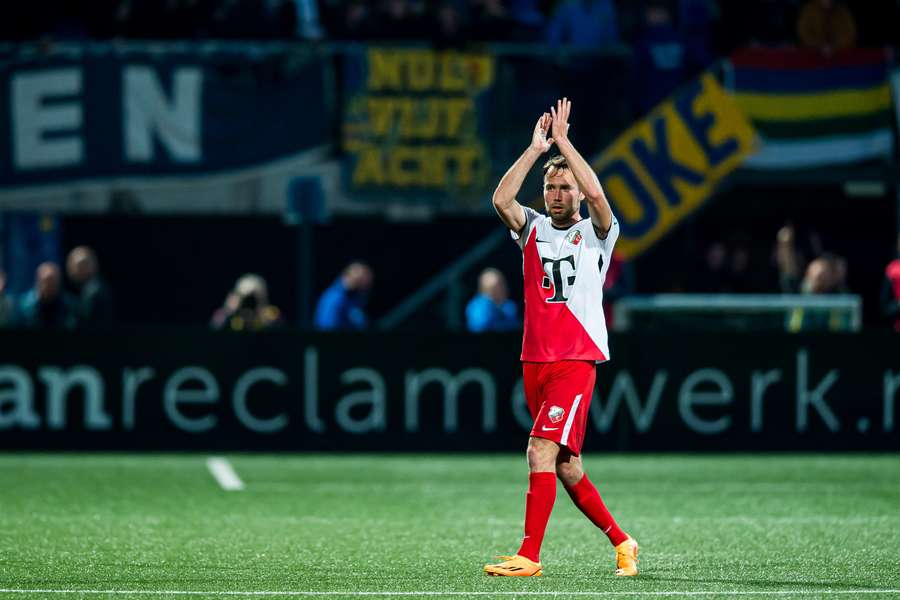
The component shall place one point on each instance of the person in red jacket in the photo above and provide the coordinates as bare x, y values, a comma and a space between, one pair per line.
890, 295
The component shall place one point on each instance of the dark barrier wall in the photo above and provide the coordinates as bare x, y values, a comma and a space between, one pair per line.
290, 391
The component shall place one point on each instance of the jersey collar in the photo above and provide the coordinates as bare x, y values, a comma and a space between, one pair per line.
567, 227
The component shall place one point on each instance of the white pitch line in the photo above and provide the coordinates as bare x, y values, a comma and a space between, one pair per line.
224, 474
454, 594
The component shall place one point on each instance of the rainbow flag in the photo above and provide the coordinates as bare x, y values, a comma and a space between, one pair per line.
811, 110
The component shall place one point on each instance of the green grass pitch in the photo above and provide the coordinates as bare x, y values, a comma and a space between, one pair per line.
395, 526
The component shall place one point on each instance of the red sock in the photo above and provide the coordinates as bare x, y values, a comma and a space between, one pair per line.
587, 499
538, 505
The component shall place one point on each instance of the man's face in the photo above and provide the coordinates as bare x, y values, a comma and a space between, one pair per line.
78, 267
818, 277
48, 283
562, 197
358, 278
494, 287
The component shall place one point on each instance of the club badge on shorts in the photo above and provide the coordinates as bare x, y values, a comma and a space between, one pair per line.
556, 414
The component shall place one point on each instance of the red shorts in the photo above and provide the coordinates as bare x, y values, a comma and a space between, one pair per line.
558, 396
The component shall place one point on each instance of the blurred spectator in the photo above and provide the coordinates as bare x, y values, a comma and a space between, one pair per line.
240, 19
186, 19
818, 277
6, 304
295, 19
695, 20
660, 58
585, 23
489, 20
400, 20
527, 20
68, 21
766, 22
619, 284
342, 306
179, 19
824, 275
450, 25
827, 25
139, 19
307, 20
839, 273
788, 259
247, 307
93, 306
46, 305
713, 276
741, 279
890, 295
100, 16
697, 15
491, 309
353, 20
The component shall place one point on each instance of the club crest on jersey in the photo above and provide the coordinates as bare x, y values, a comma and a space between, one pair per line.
556, 414
574, 238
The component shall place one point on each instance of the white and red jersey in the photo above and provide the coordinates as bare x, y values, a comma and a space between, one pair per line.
564, 271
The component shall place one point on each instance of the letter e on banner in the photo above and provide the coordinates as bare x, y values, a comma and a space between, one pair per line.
667, 165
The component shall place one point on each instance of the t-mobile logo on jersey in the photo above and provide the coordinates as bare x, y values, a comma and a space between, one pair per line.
561, 284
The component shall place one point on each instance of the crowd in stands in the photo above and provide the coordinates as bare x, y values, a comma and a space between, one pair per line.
698, 24
824, 273
84, 300
341, 307
87, 302
800, 267
670, 41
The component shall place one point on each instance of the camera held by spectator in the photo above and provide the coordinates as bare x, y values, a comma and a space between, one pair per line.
247, 307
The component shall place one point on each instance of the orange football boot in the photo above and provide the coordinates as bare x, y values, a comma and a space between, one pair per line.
627, 558
514, 566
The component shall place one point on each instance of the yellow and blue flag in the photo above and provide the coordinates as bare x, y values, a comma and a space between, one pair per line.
812, 110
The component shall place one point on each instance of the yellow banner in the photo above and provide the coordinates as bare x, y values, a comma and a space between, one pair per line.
668, 164
412, 121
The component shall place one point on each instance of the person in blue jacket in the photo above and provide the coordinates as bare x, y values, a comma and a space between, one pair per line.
491, 309
342, 306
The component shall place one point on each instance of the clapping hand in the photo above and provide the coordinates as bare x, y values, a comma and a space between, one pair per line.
560, 118
539, 139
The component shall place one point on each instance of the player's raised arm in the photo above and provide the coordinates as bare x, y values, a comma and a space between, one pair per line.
588, 183
510, 211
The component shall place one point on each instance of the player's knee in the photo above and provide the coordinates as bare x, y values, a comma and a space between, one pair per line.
541, 454
570, 473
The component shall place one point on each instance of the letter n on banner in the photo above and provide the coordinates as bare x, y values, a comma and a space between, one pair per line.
667, 165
